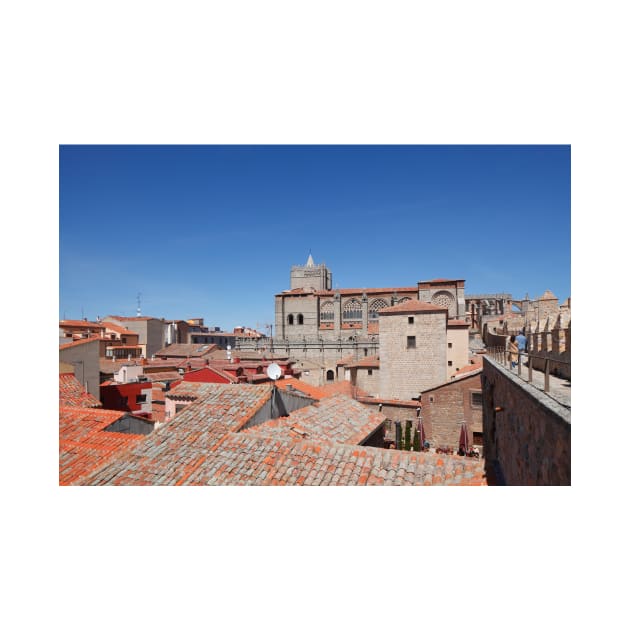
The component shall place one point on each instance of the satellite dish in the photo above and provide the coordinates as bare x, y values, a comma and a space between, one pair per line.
274, 371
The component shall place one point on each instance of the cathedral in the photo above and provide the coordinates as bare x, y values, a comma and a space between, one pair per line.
409, 338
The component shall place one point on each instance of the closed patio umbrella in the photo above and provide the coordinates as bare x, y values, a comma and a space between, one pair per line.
422, 437
463, 440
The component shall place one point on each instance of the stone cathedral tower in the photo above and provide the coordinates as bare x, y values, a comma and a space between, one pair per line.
311, 276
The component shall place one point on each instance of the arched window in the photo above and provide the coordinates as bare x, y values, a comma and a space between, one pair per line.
352, 311
300, 319
405, 299
375, 307
330, 375
327, 312
290, 320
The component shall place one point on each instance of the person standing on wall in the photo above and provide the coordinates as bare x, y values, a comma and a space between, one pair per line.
513, 350
521, 341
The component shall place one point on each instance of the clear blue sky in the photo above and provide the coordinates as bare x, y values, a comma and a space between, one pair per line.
212, 231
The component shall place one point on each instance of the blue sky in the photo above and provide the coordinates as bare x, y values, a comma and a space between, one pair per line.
212, 231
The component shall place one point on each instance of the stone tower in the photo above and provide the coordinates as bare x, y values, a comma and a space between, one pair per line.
311, 276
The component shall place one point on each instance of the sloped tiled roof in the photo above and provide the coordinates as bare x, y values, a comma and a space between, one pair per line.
119, 329
301, 386
84, 445
334, 419
341, 387
365, 362
79, 342
192, 350
78, 323
202, 445
72, 394
412, 306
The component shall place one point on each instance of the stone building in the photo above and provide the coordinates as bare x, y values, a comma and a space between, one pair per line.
412, 348
320, 327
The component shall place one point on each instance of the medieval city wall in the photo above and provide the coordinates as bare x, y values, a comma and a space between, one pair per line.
527, 435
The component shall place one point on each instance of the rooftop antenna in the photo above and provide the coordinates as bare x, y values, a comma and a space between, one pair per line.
139, 294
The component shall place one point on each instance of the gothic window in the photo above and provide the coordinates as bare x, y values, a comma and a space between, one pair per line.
327, 312
352, 311
443, 299
300, 319
375, 307
290, 320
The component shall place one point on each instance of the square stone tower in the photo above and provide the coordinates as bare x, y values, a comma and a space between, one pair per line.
311, 276
412, 348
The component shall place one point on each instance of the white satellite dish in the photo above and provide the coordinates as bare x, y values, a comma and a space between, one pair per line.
274, 371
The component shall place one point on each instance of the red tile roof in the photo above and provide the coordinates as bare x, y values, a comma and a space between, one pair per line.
83, 444
295, 383
366, 362
74, 344
119, 329
457, 322
337, 418
129, 319
78, 323
202, 445
72, 394
412, 306
182, 350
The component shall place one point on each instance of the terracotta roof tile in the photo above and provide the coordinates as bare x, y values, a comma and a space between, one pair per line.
365, 362
301, 386
78, 323
119, 329
337, 418
83, 444
192, 350
203, 445
72, 394
78, 342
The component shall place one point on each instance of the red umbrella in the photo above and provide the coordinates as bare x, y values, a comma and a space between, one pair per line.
463, 439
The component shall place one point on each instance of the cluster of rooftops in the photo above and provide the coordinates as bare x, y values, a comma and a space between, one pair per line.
230, 435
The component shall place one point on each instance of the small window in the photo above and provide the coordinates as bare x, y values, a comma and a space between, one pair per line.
431, 398
450, 364
369, 372
300, 319
476, 399
141, 398
450, 345
290, 320
411, 342
410, 320
330, 375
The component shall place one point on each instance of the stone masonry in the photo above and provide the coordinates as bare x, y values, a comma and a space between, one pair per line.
412, 349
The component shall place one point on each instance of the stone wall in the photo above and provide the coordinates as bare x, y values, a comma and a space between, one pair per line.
445, 408
405, 372
527, 435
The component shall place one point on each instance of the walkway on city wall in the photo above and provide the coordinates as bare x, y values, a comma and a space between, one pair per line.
559, 388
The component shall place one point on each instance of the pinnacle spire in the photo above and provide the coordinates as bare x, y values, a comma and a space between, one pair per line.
310, 262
